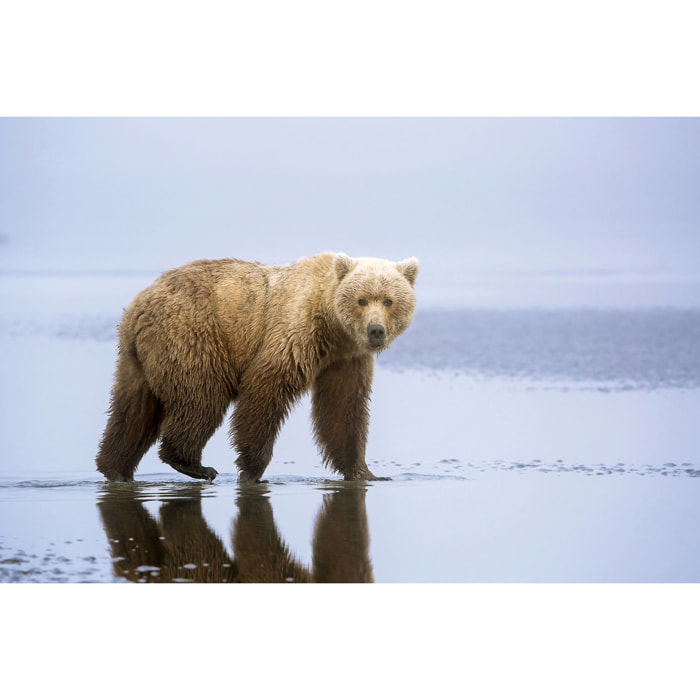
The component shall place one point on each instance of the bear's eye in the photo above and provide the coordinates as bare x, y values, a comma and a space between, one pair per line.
388, 302
362, 302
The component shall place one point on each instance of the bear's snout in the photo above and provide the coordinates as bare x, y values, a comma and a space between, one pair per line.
376, 335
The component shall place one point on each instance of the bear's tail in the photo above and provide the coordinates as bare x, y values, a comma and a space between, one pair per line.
133, 424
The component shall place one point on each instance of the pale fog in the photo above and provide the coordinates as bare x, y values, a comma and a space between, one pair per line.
538, 420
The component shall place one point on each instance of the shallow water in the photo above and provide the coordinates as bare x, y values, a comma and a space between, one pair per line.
522, 446
516, 523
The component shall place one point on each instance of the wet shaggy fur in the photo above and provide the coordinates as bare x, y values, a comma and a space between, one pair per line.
219, 331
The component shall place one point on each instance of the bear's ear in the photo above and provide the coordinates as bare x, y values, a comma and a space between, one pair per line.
408, 268
342, 264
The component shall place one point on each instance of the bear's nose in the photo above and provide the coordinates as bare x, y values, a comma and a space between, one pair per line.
376, 334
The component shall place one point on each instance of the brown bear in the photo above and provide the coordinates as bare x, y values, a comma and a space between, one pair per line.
219, 331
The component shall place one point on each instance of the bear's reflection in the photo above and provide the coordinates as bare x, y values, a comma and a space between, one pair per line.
178, 545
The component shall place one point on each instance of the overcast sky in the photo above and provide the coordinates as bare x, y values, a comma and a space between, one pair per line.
461, 194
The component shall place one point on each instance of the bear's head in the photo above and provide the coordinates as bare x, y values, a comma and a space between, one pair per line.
374, 299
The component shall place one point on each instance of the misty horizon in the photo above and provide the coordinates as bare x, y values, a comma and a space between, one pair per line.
472, 198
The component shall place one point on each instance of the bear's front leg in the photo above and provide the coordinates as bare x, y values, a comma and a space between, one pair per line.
340, 413
259, 414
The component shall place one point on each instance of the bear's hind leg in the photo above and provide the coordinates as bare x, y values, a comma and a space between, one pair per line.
133, 424
185, 431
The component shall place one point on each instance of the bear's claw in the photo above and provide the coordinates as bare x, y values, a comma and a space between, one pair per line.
366, 475
206, 473
246, 478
